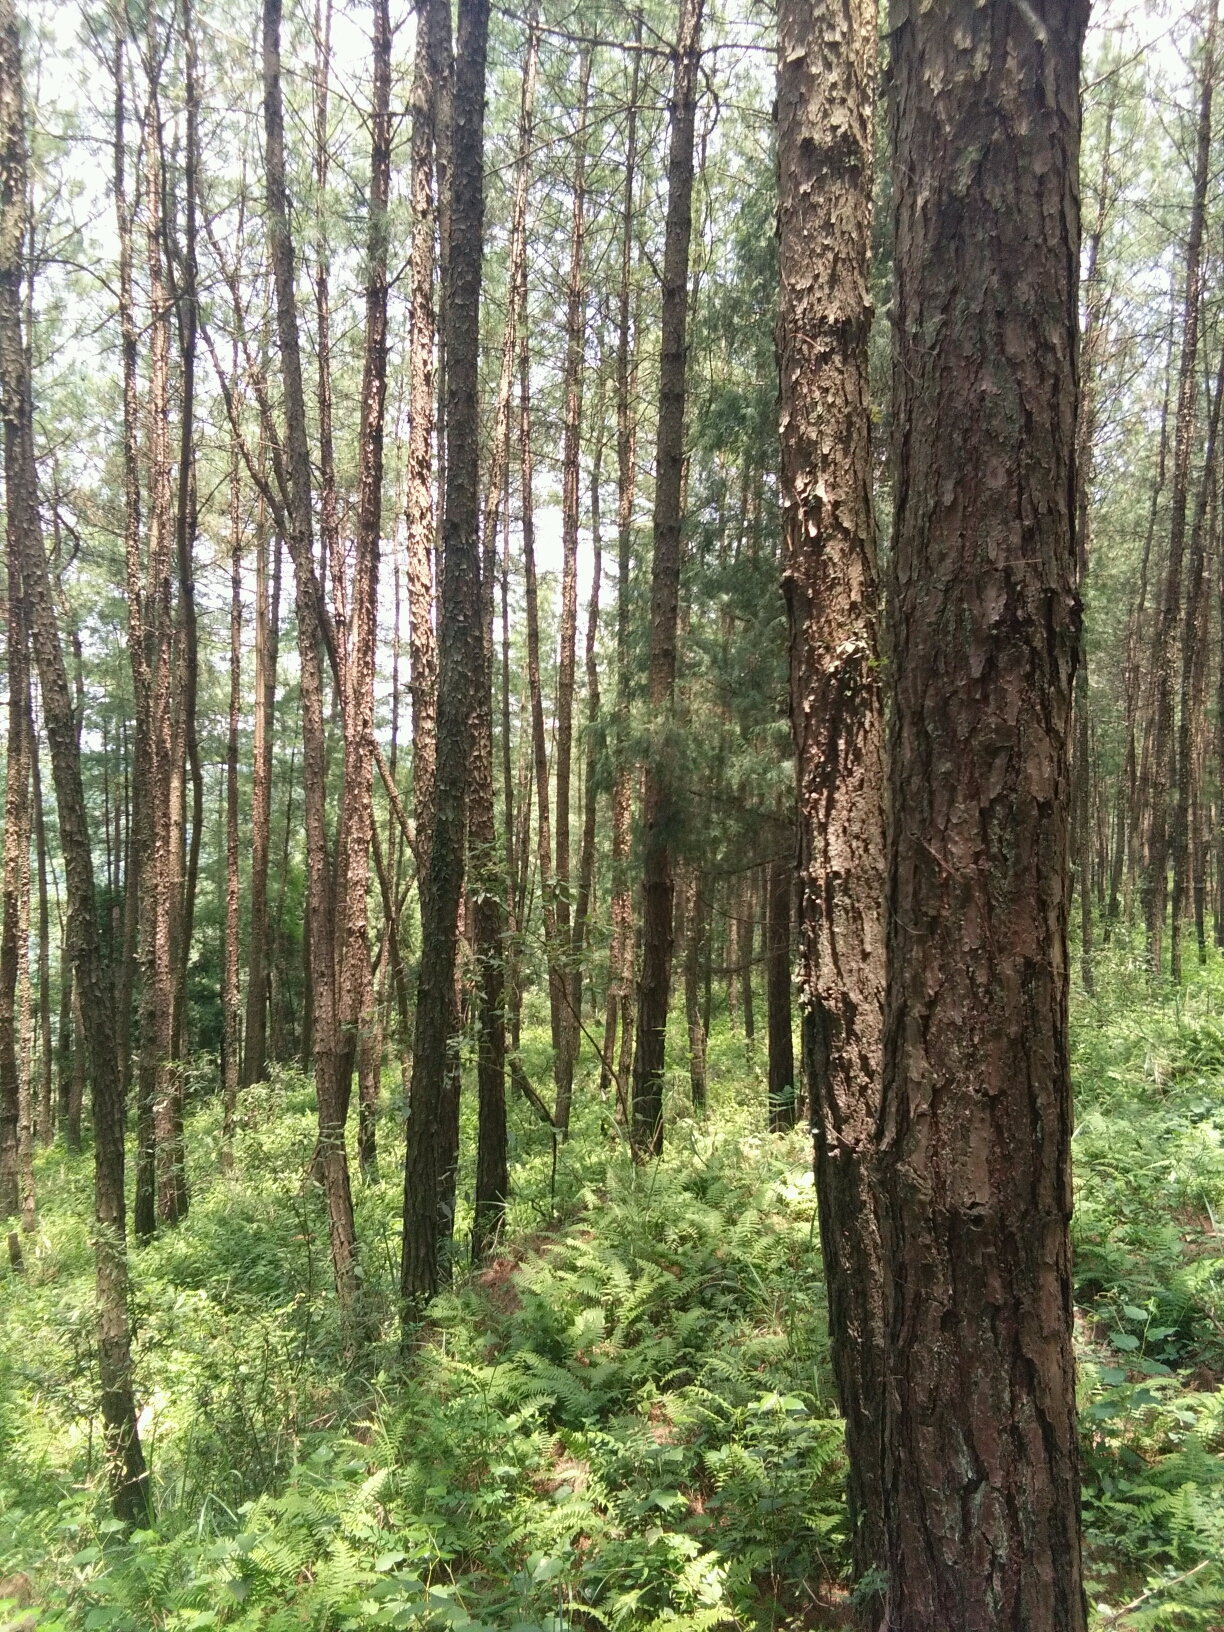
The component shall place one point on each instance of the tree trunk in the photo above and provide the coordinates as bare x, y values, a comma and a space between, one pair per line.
267, 644
747, 951
981, 1470
16, 866
428, 68
1193, 647
826, 85
1164, 639
590, 806
46, 1124
575, 359
492, 1167
654, 990
231, 1039
184, 293
778, 997
64, 1049
125, 1461
697, 918
621, 993
311, 620
459, 653
352, 955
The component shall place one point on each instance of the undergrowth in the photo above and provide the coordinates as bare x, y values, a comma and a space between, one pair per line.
626, 1420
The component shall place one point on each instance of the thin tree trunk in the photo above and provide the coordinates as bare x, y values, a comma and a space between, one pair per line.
654, 990
64, 1049
1193, 644
782, 1094
621, 994
747, 952
697, 919
1085, 453
311, 621
539, 744
46, 1125
231, 1044
428, 69
125, 1461
1164, 640
575, 359
586, 862
492, 1161
184, 293
16, 864
352, 956
981, 1475
25, 1051
267, 644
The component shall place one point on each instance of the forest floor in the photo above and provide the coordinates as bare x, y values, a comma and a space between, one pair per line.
626, 1421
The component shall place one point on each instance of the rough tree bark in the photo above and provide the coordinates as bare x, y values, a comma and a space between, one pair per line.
826, 81
428, 70
459, 664
654, 989
981, 1470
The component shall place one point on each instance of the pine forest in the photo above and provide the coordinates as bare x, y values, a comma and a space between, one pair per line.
612, 904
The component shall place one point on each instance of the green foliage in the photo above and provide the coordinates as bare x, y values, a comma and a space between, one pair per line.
623, 1421
1149, 1163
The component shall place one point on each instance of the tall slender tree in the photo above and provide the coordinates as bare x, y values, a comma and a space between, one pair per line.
826, 78
658, 812
425, 1172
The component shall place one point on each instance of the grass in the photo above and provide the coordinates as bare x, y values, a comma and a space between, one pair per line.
626, 1421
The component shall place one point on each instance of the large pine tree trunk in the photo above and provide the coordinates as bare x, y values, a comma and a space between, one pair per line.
425, 1172
125, 1461
654, 989
981, 1469
825, 122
